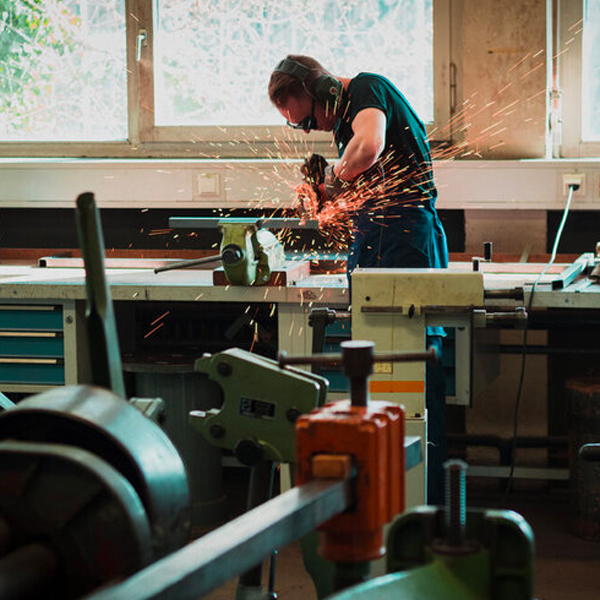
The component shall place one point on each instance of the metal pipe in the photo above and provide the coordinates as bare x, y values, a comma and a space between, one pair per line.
259, 222
259, 492
590, 452
182, 264
515, 293
336, 359
215, 558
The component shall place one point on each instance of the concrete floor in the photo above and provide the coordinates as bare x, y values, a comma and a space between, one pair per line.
566, 567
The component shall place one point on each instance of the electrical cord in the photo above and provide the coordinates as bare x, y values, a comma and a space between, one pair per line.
572, 188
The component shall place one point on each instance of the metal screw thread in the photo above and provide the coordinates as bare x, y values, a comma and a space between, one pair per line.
456, 501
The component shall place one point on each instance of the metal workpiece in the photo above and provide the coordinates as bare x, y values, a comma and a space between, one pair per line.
583, 264
99, 422
258, 222
515, 319
260, 406
213, 559
516, 293
105, 357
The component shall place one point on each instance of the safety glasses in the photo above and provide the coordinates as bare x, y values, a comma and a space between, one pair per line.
308, 123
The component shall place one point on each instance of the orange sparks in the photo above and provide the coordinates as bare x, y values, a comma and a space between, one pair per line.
160, 318
153, 330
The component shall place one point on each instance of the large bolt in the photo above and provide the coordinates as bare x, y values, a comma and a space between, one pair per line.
456, 501
358, 365
224, 369
217, 431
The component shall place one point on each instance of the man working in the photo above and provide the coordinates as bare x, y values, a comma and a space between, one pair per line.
385, 175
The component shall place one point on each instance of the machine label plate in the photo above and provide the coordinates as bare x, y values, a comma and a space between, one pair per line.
258, 409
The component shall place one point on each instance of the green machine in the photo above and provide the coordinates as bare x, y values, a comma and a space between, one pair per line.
249, 252
261, 403
454, 553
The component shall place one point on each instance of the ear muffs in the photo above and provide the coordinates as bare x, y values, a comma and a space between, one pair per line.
326, 89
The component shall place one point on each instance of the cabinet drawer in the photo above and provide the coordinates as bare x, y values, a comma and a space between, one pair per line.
32, 371
32, 344
30, 318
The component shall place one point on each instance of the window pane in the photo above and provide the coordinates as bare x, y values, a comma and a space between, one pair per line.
591, 71
213, 58
63, 70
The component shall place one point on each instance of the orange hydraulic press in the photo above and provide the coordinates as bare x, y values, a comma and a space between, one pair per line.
360, 439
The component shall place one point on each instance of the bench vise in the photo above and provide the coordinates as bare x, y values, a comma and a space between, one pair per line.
248, 252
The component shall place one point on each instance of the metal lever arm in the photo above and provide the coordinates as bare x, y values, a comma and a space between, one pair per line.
430, 356
189, 263
105, 356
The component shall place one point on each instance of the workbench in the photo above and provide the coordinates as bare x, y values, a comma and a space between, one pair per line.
39, 304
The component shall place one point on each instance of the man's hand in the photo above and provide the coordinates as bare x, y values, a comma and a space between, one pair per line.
332, 186
313, 170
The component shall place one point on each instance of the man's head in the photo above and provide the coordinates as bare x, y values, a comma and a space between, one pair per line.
305, 93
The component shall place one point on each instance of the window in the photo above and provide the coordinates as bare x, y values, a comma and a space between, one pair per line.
212, 59
591, 72
188, 78
62, 70
579, 77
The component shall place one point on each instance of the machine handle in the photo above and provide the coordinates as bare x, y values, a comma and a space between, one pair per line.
430, 356
189, 263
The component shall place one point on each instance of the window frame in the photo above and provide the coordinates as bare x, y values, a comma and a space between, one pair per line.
149, 141
571, 83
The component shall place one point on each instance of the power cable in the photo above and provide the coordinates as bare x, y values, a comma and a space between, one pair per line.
572, 188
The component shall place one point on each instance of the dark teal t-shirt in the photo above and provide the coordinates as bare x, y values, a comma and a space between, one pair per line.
397, 226
406, 156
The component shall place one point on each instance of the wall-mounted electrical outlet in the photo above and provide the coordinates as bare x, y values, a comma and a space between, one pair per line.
573, 179
207, 184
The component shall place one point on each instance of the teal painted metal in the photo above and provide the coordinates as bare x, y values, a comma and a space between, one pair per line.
41, 347
37, 374
17, 319
105, 356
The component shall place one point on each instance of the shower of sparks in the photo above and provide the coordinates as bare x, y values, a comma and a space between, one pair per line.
153, 330
479, 124
160, 318
254, 336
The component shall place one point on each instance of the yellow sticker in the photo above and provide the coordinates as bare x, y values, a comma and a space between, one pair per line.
382, 367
